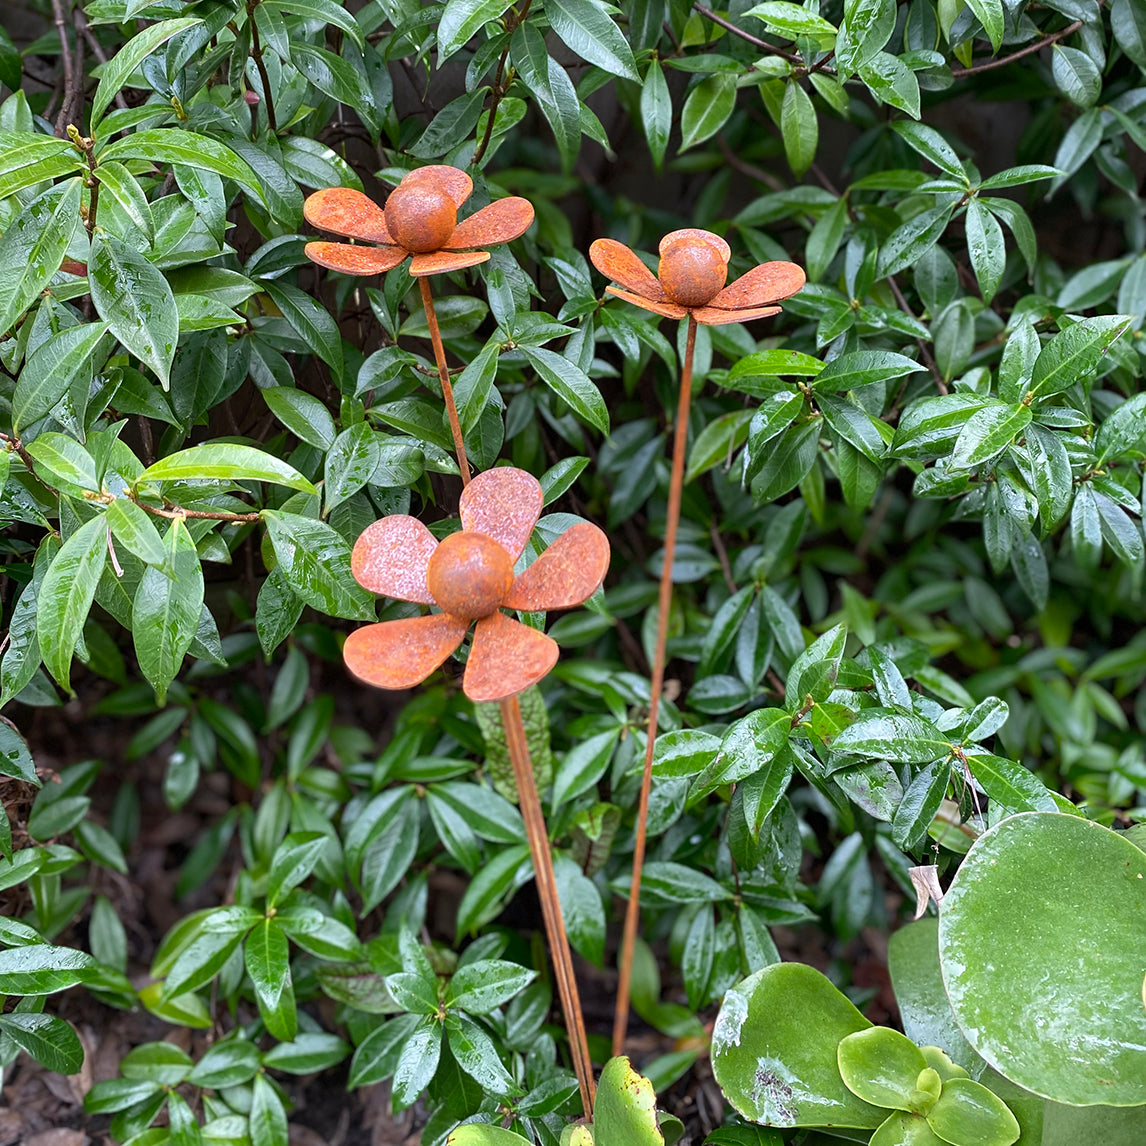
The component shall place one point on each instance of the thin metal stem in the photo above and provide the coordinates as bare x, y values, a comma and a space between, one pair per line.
664, 606
444, 378
538, 836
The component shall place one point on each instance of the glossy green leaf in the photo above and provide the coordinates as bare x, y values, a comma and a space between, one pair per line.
590, 33
66, 596
1072, 354
881, 1066
774, 1050
225, 461
706, 109
970, 1114
117, 72
1075, 892
33, 246
626, 1108
166, 610
133, 298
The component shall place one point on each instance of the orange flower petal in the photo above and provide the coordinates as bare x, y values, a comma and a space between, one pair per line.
504, 504
695, 233
401, 654
767, 283
442, 262
354, 260
500, 222
455, 183
506, 658
616, 262
568, 573
391, 557
667, 309
344, 211
711, 316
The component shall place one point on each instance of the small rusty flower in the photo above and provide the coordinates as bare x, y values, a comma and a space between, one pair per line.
691, 277
469, 576
419, 222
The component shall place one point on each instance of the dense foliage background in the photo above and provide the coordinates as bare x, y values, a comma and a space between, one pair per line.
919, 490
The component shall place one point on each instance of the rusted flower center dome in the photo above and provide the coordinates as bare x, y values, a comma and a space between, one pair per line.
469, 575
420, 217
692, 272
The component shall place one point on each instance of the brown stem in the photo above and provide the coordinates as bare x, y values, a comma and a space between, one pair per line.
500, 84
801, 69
73, 84
664, 605
1045, 42
257, 55
928, 357
444, 378
559, 949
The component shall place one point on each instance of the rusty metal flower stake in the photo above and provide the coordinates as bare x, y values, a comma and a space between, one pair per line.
689, 284
419, 223
470, 577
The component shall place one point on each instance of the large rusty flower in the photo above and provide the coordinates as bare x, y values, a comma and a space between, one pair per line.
691, 277
469, 576
419, 222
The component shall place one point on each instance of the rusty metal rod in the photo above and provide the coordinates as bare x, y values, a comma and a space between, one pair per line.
444, 378
538, 837
664, 606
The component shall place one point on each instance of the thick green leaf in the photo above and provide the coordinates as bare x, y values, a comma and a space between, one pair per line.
315, 562
893, 736
571, 384
225, 461
913, 962
34, 245
134, 52
166, 610
135, 301
707, 108
63, 361
881, 1066
1072, 354
986, 248
66, 595
799, 127
49, 1040
1073, 892
626, 1107
41, 969
987, 433
188, 148
589, 31
774, 1050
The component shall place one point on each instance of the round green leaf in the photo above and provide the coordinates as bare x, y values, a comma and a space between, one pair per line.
774, 1050
903, 1129
970, 1115
1041, 940
881, 1066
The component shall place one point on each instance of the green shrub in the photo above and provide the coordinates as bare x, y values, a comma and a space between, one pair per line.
907, 588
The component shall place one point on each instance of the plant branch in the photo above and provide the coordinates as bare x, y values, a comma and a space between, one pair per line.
535, 829
755, 41
444, 378
928, 357
84, 30
664, 606
73, 76
257, 56
1002, 62
500, 84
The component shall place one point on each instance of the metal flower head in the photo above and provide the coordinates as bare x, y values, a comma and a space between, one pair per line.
419, 222
469, 576
691, 277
